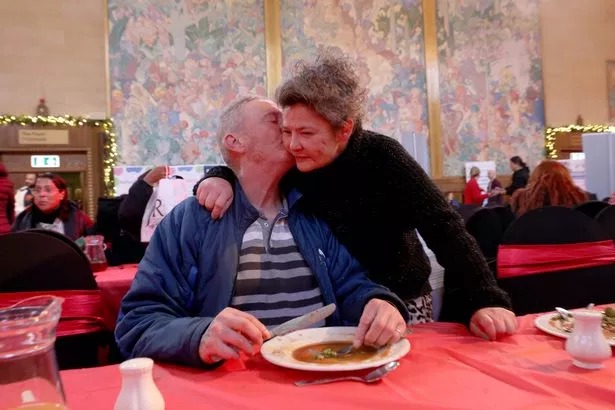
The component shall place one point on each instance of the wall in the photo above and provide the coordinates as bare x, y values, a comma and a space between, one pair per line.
55, 49
577, 39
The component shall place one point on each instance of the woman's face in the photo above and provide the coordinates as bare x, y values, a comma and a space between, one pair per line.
513, 166
311, 139
47, 197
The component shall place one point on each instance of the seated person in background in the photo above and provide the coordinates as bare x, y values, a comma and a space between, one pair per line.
23, 196
550, 185
450, 198
206, 290
51, 209
495, 190
130, 213
472, 194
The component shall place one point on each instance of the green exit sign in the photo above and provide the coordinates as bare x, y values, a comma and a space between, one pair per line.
45, 161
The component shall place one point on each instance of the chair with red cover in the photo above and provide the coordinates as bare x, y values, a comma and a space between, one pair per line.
556, 256
35, 263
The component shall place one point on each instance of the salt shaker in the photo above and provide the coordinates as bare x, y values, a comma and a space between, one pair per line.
587, 344
139, 392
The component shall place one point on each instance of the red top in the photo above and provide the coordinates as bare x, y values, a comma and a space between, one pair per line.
472, 194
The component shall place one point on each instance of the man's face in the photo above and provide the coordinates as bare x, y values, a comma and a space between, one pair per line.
261, 128
491, 174
30, 180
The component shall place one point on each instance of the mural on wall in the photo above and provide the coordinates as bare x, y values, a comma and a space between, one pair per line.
610, 84
385, 38
492, 105
173, 66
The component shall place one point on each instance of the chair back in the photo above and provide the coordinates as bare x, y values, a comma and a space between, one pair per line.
591, 208
556, 256
486, 227
606, 220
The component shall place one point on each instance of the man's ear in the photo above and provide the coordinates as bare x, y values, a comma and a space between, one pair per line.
346, 131
233, 143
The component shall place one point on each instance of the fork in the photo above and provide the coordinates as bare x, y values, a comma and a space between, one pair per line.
346, 350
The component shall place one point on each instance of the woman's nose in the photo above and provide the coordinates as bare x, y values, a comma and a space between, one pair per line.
294, 143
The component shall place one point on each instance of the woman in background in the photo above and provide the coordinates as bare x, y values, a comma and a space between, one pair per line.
521, 174
550, 185
7, 201
472, 194
51, 209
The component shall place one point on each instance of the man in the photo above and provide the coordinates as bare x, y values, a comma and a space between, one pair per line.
495, 190
206, 290
23, 196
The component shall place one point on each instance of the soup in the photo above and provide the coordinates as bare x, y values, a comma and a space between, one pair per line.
326, 353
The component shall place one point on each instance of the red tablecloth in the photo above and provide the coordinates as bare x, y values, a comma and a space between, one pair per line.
114, 282
447, 368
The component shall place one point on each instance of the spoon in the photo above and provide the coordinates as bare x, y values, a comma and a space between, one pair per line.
348, 349
370, 377
566, 313
563, 312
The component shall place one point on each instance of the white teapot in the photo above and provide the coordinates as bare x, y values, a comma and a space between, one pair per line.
587, 344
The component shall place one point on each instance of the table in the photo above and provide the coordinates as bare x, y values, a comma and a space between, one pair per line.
447, 368
113, 283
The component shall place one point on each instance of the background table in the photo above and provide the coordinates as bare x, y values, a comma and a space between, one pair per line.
114, 282
447, 368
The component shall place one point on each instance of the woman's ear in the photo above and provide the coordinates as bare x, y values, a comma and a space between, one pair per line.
346, 130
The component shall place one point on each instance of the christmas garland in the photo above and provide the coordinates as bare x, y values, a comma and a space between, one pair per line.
551, 134
110, 155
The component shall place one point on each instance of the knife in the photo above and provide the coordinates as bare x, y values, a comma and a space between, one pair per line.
303, 321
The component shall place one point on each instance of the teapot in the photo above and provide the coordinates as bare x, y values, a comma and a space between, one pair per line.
29, 376
94, 249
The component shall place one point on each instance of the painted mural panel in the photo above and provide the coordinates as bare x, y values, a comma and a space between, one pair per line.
385, 38
492, 104
173, 66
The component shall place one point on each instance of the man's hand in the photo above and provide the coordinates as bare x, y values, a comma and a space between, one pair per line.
489, 323
231, 332
380, 324
215, 194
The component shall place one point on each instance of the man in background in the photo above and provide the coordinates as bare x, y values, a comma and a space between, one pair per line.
23, 196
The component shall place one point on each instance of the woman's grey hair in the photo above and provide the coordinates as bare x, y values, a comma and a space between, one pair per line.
230, 121
474, 171
330, 85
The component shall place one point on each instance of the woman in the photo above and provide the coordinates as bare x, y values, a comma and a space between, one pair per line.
51, 209
472, 194
374, 196
550, 184
7, 201
521, 174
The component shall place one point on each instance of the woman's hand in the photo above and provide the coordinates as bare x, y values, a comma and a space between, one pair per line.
216, 195
489, 323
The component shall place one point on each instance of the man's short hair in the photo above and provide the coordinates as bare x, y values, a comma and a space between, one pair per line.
230, 121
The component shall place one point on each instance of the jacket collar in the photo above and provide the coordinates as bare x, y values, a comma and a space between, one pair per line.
246, 212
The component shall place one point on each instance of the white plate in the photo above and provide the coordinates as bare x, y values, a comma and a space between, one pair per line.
279, 350
542, 323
